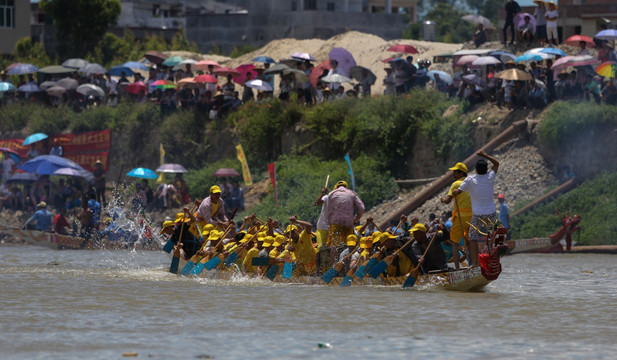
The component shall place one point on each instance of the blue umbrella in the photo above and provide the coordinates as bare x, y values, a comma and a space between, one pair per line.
142, 173
135, 65
442, 75
118, 70
529, 57
264, 59
34, 138
608, 34
48, 164
503, 55
553, 51
12, 153
6, 86
23, 69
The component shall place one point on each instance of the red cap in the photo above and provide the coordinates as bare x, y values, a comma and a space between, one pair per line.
501, 196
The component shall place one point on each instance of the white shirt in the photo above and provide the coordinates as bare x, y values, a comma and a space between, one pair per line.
481, 189
551, 14
322, 223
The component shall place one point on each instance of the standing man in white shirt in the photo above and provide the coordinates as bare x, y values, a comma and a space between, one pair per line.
481, 187
551, 23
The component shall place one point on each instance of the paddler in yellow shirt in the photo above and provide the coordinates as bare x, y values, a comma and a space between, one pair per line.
462, 213
305, 253
247, 263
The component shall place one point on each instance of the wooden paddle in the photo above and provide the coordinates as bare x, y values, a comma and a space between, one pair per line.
327, 179
383, 264
214, 261
194, 259
363, 269
337, 267
170, 245
411, 278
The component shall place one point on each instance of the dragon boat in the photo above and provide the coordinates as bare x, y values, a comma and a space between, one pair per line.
468, 279
550, 244
66, 242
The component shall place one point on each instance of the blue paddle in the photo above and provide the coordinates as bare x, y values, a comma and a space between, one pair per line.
387, 261
360, 272
411, 278
175, 261
288, 269
348, 279
272, 271
337, 267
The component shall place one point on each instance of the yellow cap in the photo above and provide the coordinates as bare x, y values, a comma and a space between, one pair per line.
279, 240
209, 227
246, 238
291, 228
214, 235
418, 227
352, 240
268, 240
215, 189
460, 167
166, 224
341, 183
366, 242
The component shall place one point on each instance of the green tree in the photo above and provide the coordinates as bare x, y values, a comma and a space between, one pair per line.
450, 27
31, 53
80, 24
487, 8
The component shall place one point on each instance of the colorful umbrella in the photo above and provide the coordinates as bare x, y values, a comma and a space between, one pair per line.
303, 56
163, 84
401, 48
48, 164
203, 65
529, 57
244, 70
21, 69
136, 65
344, 58
259, 85
225, 172
388, 60
34, 138
171, 168
75, 63
576, 39
12, 153
224, 71
513, 74
264, 59
519, 20
155, 57
187, 83
136, 88
142, 173
6, 86
173, 61
606, 69
205, 78
318, 71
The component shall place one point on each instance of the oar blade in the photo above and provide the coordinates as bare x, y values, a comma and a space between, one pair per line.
231, 259
329, 275
272, 271
187, 268
212, 263
197, 269
369, 266
169, 246
260, 261
378, 269
347, 280
409, 282
288, 269
360, 272
175, 262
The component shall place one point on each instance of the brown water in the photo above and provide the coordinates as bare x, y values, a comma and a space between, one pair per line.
101, 304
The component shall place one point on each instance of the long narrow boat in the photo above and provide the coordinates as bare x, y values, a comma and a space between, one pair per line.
64, 242
469, 279
550, 243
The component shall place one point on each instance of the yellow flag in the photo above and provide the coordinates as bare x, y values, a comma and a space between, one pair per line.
161, 178
246, 174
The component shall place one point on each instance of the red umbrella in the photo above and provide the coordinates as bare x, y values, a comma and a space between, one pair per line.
224, 71
205, 78
387, 61
244, 70
318, 70
203, 65
225, 172
136, 88
155, 57
576, 39
401, 48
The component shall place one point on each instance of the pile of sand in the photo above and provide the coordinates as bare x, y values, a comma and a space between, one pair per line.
368, 51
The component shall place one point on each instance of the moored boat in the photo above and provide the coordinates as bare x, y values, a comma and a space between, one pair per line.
550, 243
65, 242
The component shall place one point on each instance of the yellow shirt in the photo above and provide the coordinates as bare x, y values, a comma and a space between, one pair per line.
215, 208
248, 259
463, 199
273, 253
305, 252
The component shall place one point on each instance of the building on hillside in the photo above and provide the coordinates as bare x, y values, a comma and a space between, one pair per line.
576, 17
14, 23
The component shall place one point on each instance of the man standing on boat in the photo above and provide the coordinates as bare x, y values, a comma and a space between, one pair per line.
504, 213
480, 187
212, 209
462, 213
42, 217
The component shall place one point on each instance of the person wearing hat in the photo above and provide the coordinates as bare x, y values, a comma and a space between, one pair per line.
56, 149
253, 252
435, 258
344, 210
42, 217
462, 212
504, 213
352, 241
212, 209
551, 23
99, 182
190, 244
480, 187
304, 253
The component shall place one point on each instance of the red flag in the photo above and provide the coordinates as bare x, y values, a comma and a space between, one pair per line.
272, 171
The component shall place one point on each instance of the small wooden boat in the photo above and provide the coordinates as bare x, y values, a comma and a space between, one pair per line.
550, 243
65, 242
